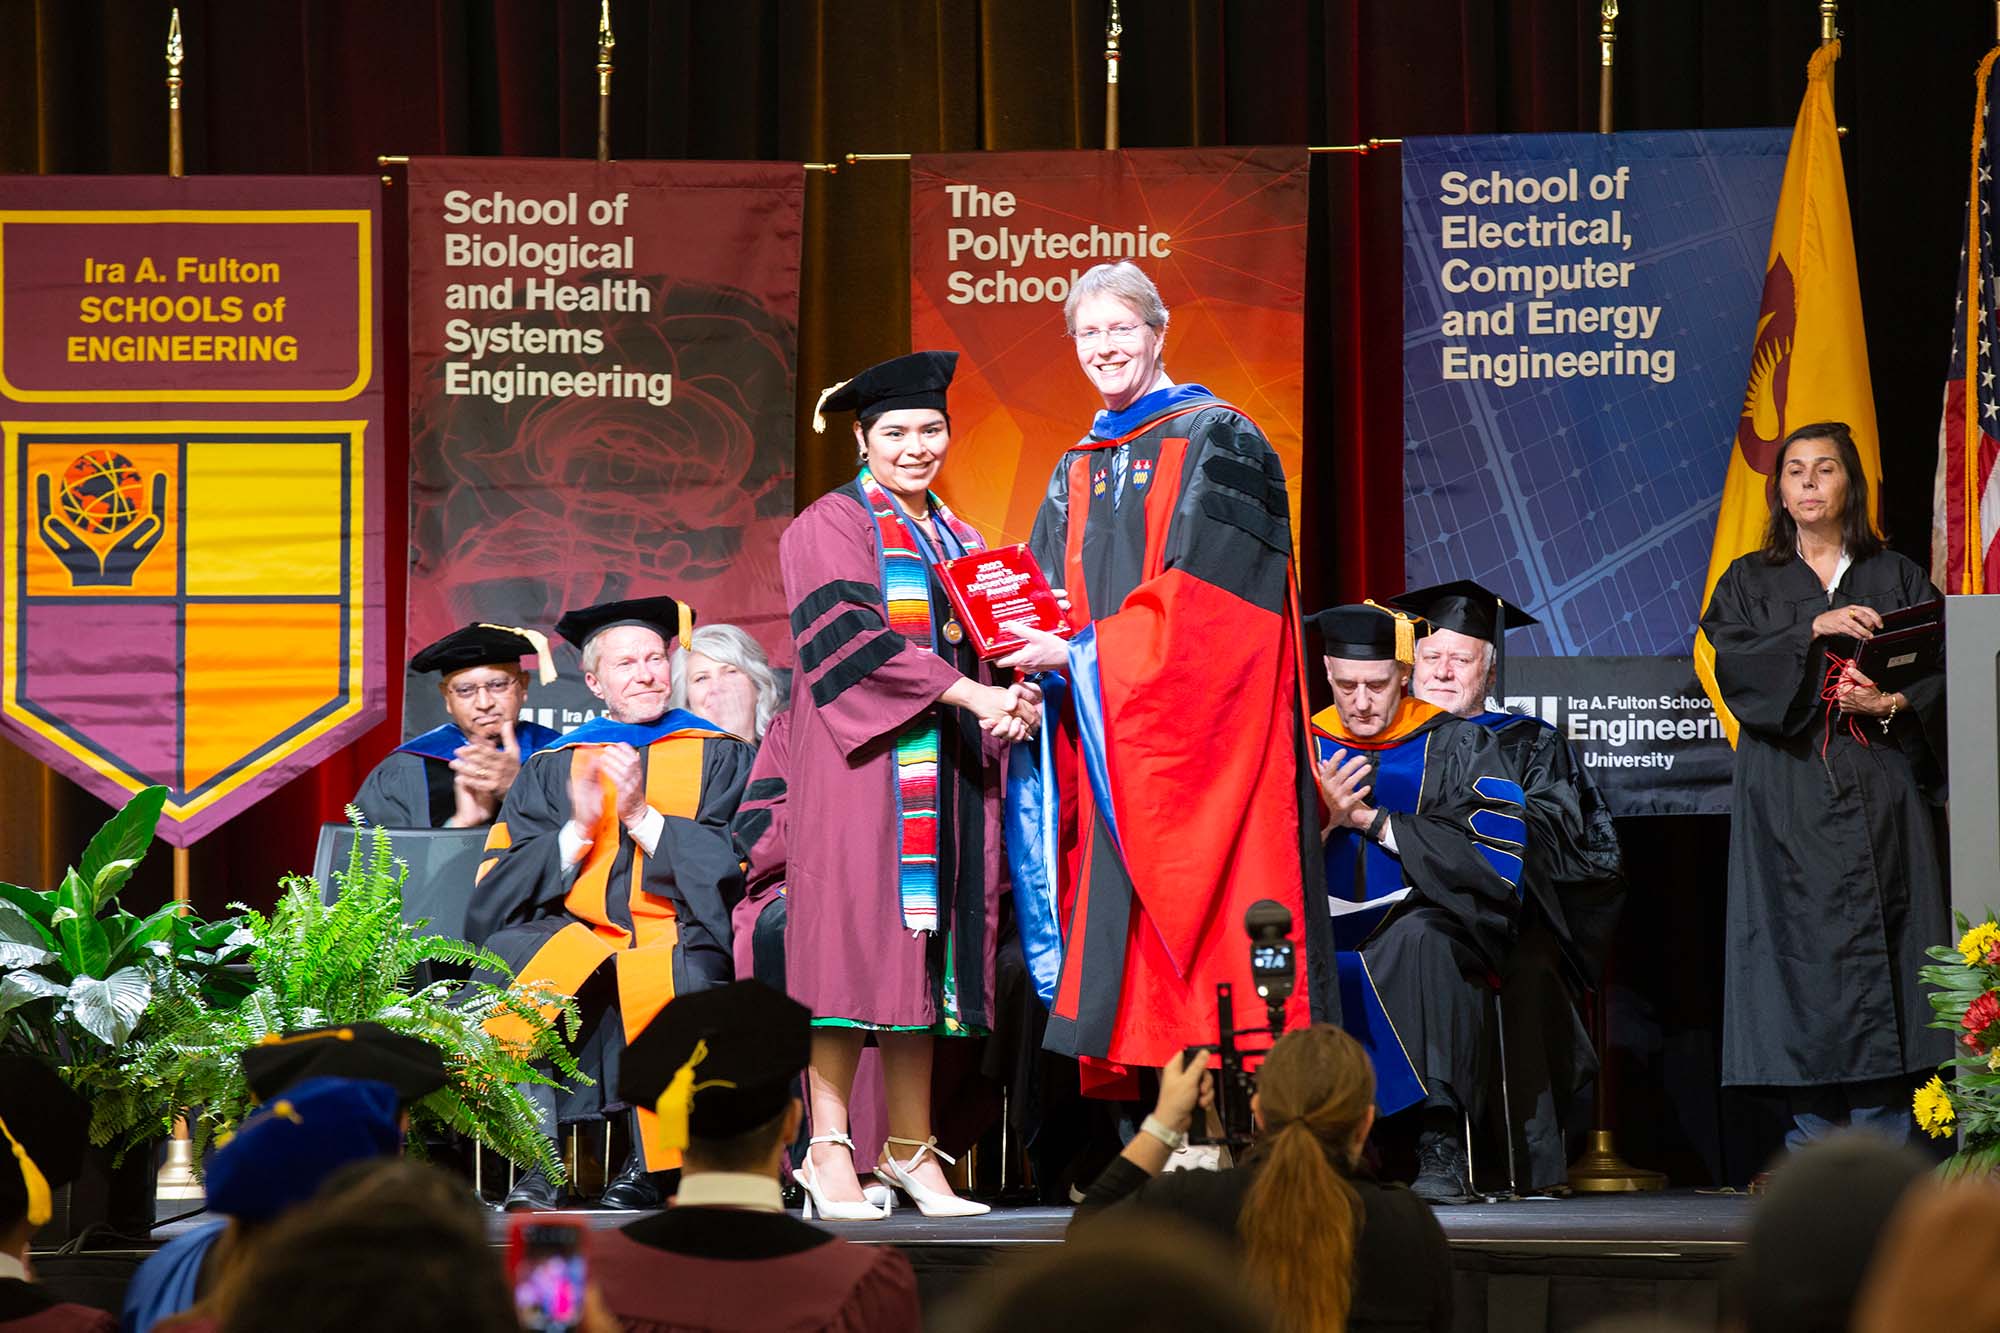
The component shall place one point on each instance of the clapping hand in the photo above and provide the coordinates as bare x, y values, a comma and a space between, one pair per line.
1345, 790
620, 764
481, 775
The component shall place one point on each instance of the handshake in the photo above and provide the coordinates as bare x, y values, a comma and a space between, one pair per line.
1009, 712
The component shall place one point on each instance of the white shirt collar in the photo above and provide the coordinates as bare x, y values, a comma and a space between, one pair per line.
1840, 569
730, 1189
11, 1268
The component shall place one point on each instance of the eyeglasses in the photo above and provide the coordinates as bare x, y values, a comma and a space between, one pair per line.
498, 689
1122, 334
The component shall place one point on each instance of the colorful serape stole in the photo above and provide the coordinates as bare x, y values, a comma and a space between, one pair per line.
906, 598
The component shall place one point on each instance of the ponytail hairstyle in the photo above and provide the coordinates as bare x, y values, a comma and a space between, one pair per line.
1300, 1220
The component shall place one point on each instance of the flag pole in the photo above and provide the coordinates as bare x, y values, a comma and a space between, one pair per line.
1113, 30
1829, 21
1607, 39
605, 41
176, 1178
176, 162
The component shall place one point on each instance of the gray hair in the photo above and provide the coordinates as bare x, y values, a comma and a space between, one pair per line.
732, 646
1122, 280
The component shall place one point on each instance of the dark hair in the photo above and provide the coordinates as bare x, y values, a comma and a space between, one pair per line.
867, 423
399, 1246
739, 1152
1857, 533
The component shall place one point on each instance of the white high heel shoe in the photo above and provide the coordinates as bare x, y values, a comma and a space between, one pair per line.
929, 1202
834, 1210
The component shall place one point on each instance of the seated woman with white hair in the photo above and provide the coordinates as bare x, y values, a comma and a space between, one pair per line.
721, 674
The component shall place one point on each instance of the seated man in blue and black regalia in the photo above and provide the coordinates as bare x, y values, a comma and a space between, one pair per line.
1573, 882
1424, 838
456, 775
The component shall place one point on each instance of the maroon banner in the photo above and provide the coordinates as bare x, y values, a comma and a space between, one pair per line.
601, 397
190, 403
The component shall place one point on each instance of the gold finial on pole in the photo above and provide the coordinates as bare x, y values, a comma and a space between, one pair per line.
1607, 40
1113, 30
176, 53
1829, 21
605, 41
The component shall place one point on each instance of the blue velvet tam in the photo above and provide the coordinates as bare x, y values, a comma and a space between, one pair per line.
282, 1155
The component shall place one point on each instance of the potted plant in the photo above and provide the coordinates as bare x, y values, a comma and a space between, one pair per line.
1965, 996
78, 977
315, 964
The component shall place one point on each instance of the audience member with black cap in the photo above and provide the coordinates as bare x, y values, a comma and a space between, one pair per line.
611, 863
276, 1159
456, 775
1574, 877
722, 1069
43, 1129
412, 1068
1420, 809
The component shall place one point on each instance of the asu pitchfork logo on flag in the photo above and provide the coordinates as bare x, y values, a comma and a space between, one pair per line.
182, 599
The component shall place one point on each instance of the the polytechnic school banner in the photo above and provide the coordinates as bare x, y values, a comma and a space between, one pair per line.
190, 402
1579, 312
996, 240
602, 360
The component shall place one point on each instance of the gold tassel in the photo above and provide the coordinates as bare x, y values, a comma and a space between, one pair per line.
1406, 631
677, 1102
545, 660
686, 626
819, 422
41, 1206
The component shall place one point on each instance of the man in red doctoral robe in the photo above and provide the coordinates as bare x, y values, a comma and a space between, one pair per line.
1170, 528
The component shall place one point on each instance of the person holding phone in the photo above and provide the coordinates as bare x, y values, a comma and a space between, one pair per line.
1835, 888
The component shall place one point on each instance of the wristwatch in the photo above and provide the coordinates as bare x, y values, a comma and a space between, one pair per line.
1175, 1139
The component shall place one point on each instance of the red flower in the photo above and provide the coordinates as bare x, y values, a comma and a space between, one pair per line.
1993, 952
1980, 1015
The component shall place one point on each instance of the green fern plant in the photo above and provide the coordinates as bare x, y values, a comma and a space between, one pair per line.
351, 960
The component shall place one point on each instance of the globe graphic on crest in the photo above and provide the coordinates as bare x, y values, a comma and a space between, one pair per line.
101, 493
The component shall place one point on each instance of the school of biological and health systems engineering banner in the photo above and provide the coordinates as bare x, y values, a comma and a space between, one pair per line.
1579, 311
191, 582
997, 239
602, 359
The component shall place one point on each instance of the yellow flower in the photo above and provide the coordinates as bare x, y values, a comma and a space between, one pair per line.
1932, 1107
1974, 945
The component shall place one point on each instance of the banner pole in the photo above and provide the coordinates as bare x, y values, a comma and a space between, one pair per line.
605, 41
176, 1178
176, 162
1113, 30
1607, 40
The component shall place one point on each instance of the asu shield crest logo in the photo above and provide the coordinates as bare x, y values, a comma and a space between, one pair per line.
185, 603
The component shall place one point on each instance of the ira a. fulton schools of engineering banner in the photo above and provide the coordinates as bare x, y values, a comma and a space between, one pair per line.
190, 403
996, 240
1578, 312
602, 360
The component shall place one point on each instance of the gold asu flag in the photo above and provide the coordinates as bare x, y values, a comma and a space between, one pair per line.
1809, 361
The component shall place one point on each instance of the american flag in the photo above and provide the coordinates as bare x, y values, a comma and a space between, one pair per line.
1966, 497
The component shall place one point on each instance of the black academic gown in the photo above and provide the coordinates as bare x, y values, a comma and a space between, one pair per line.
1573, 883
1835, 886
658, 925
1456, 813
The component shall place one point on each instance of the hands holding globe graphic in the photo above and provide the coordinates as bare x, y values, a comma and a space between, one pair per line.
99, 496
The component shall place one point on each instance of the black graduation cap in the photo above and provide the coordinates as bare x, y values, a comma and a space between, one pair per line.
671, 618
1468, 608
46, 1127
1365, 632
480, 645
414, 1068
917, 380
719, 1062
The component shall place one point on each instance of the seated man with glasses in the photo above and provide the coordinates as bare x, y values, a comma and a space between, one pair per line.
456, 775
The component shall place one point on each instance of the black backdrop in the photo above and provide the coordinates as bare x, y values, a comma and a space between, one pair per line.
279, 86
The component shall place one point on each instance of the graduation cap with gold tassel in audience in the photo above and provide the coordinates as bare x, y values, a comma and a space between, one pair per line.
44, 1128
718, 1063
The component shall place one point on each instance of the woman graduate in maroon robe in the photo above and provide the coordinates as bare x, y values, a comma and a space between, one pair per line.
898, 738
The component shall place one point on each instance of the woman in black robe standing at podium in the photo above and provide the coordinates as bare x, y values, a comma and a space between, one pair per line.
1835, 887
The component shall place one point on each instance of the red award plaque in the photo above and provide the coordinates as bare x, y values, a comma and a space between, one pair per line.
994, 590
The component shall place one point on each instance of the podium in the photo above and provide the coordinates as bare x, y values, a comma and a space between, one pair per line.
1972, 703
